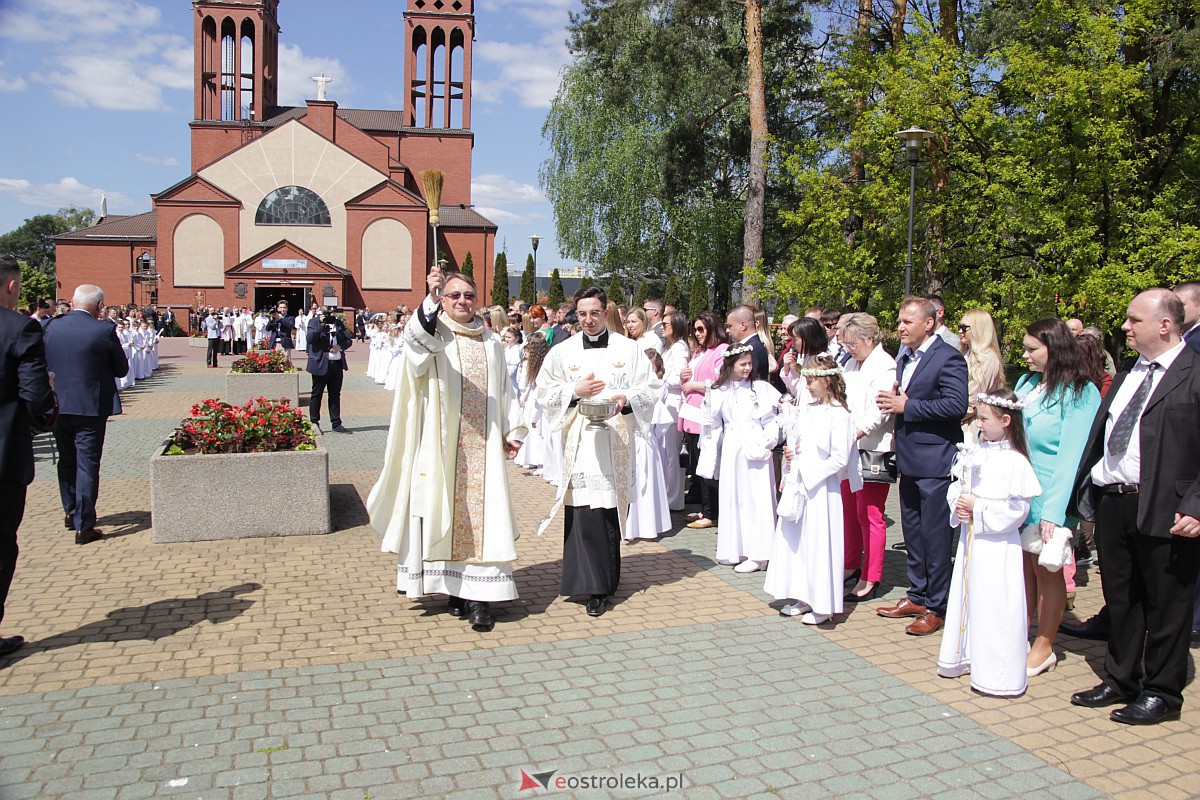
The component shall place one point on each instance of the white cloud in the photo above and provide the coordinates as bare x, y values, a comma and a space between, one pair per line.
530, 71
169, 161
67, 192
11, 84
502, 217
296, 71
497, 190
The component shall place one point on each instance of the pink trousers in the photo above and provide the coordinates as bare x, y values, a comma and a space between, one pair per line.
864, 529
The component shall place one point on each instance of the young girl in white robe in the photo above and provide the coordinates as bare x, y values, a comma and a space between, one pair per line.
125, 336
531, 456
741, 416
807, 556
649, 512
985, 633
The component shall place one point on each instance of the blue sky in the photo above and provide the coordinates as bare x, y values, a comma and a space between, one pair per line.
97, 95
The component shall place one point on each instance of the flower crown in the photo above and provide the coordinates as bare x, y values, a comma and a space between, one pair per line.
738, 350
999, 402
817, 372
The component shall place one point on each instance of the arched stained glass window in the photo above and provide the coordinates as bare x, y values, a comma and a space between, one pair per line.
292, 205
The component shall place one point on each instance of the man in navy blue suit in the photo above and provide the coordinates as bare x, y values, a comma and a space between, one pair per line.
26, 404
740, 326
86, 358
327, 343
928, 403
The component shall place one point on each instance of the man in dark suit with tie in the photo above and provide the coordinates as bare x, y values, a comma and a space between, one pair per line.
740, 326
928, 404
327, 343
26, 403
1139, 480
85, 356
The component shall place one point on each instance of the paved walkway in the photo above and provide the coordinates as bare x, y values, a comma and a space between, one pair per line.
288, 667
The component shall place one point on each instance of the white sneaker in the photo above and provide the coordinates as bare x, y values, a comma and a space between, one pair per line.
795, 609
815, 619
748, 566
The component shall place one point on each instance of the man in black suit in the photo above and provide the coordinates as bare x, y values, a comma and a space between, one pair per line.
928, 401
86, 358
26, 403
282, 328
1189, 294
1139, 480
327, 343
739, 324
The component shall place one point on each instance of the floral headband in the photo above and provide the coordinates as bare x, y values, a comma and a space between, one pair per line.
999, 402
816, 372
738, 350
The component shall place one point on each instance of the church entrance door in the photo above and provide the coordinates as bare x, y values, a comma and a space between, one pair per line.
269, 297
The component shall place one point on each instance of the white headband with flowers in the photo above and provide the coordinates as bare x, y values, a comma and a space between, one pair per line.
738, 350
817, 372
999, 402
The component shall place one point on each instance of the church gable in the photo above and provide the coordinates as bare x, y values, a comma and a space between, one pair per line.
285, 259
194, 189
388, 193
293, 155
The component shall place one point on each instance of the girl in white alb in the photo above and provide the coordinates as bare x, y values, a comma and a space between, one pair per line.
807, 556
649, 514
741, 418
532, 454
985, 633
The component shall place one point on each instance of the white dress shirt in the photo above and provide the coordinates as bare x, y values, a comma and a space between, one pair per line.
914, 358
1128, 469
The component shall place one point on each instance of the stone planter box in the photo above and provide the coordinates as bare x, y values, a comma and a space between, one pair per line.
241, 387
239, 496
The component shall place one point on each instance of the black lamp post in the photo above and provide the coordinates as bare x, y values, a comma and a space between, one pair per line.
913, 138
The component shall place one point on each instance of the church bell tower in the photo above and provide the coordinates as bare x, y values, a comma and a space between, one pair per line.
237, 59
437, 63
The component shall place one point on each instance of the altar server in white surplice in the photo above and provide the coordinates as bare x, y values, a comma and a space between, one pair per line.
986, 627
597, 464
807, 554
649, 513
442, 502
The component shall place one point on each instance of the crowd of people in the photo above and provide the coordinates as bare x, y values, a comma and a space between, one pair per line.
789, 449
786, 448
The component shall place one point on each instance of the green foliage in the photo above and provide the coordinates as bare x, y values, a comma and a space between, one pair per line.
467, 267
35, 285
615, 293
586, 281
529, 281
673, 294
642, 294
500, 281
555, 296
698, 297
649, 135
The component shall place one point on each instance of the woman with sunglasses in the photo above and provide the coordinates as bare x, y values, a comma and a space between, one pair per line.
980, 346
701, 370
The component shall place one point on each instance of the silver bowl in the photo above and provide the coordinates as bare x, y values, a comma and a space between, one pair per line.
597, 411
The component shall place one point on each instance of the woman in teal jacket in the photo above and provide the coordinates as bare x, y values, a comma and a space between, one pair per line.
1060, 403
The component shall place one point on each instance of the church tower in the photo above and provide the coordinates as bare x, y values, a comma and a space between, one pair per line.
237, 59
437, 63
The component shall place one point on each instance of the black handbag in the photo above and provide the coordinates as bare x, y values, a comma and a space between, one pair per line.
877, 467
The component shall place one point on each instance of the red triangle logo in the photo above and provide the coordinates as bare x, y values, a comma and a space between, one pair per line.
528, 782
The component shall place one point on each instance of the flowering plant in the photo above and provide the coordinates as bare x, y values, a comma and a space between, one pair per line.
260, 426
263, 361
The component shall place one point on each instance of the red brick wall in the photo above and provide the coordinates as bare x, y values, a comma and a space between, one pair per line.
210, 143
451, 153
105, 264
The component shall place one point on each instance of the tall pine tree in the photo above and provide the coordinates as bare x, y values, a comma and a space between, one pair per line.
698, 299
500, 281
555, 297
468, 266
673, 295
614, 291
529, 281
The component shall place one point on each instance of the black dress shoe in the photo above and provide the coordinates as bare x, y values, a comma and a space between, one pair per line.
456, 606
68, 522
595, 606
1146, 710
9, 644
900, 546
1103, 695
340, 429
1095, 628
87, 537
481, 616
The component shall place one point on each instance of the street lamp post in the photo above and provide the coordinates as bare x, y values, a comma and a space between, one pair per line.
535, 239
913, 138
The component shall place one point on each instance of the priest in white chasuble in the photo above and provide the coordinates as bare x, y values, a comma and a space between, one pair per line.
597, 464
442, 502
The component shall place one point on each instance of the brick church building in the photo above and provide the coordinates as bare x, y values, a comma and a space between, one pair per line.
300, 203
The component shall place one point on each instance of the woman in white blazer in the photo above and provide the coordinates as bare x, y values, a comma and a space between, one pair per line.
869, 371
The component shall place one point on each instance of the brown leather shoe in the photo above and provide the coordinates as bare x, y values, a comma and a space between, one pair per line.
925, 624
87, 537
905, 608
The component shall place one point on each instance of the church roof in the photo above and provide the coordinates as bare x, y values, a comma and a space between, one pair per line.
464, 218
116, 226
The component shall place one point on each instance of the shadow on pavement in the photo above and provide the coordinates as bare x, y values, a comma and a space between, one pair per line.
347, 507
150, 622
